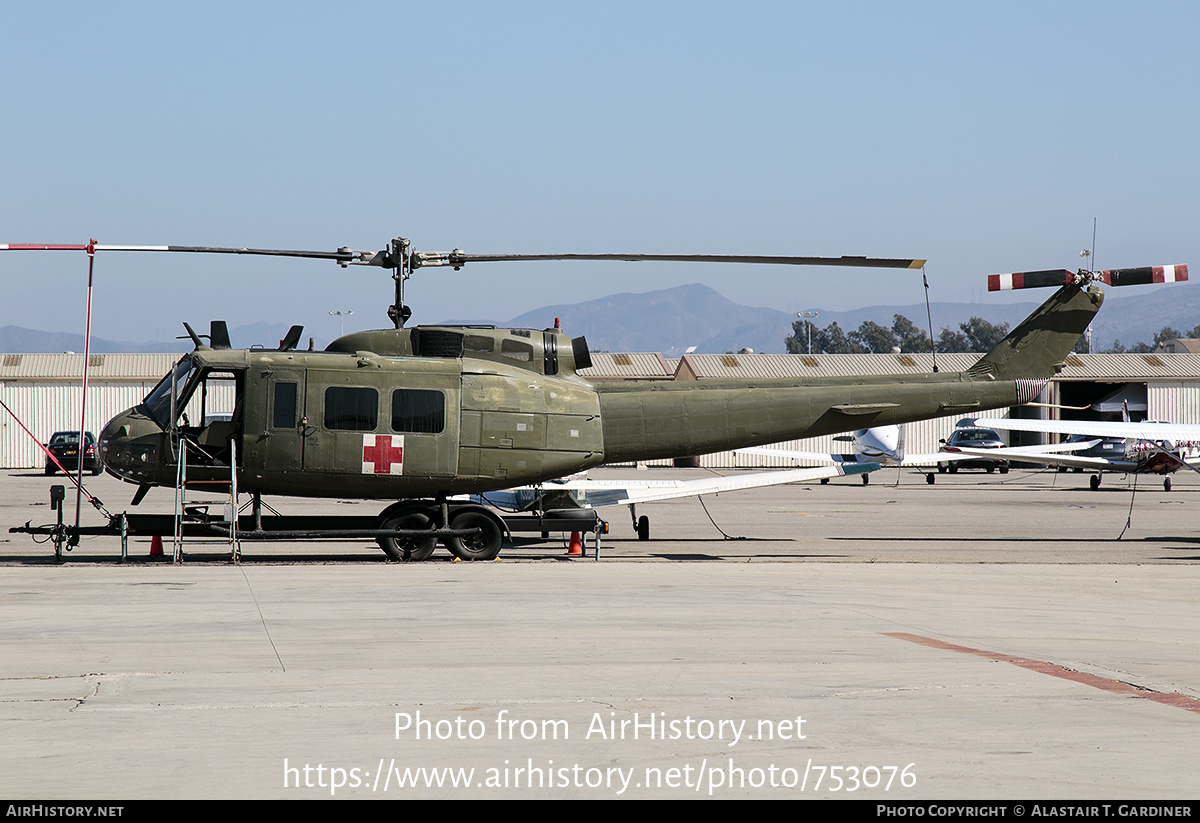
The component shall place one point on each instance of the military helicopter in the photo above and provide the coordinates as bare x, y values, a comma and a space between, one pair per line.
421, 415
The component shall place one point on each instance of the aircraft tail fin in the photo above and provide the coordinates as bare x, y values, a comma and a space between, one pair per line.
1036, 348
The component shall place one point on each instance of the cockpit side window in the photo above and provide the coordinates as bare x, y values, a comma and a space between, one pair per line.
283, 415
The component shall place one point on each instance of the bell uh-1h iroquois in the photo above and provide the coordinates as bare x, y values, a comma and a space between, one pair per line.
420, 415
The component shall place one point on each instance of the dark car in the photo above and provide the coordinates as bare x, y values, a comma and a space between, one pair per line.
973, 439
1110, 448
65, 447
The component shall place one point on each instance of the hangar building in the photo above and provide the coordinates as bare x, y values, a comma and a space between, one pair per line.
44, 390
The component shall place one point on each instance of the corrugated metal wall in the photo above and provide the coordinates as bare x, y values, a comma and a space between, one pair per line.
49, 407
1175, 402
921, 437
46, 408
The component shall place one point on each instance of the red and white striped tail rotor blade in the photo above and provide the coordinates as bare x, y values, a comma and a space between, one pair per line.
1144, 275
1030, 279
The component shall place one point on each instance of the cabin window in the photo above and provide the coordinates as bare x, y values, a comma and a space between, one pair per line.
351, 409
284, 414
422, 411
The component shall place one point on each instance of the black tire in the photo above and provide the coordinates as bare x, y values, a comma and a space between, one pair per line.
1094, 481
824, 481
1166, 484
1004, 469
929, 478
643, 528
941, 468
418, 548
51, 468
484, 546
866, 478
953, 469
991, 469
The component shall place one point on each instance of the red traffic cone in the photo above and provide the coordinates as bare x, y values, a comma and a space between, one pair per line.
156, 546
576, 549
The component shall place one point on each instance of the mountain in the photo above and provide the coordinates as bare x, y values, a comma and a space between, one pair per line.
31, 341
671, 320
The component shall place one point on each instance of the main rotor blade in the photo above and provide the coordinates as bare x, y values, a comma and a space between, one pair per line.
860, 262
458, 258
340, 255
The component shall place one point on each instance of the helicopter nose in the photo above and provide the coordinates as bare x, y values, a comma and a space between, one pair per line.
129, 446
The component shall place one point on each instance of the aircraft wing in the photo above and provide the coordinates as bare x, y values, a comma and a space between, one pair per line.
596, 493
1138, 431
798, 455
908, 461
1059, 458
645, 493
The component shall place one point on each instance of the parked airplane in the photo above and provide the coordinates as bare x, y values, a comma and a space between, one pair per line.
1130, 448
579, 492
885, 445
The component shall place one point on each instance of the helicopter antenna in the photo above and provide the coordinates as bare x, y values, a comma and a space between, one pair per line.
1091, 254
929, 317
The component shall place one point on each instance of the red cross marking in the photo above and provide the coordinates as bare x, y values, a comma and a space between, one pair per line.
383, 454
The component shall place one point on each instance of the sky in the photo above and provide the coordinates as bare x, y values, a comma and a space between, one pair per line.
986, 138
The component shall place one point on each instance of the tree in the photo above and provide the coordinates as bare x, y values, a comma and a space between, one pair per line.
1165, 334
908, 336
868, 338
832, 340
952, 341
976, 335
802, 332
873, 338
984, 336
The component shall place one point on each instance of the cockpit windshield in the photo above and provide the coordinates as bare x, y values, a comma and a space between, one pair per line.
158, 401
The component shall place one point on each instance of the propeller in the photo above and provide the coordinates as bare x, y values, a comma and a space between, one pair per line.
1112, 277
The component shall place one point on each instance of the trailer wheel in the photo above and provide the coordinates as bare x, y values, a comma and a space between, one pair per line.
418, 548
483, 546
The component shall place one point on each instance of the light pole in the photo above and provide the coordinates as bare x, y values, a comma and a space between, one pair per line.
341, 319
804, 315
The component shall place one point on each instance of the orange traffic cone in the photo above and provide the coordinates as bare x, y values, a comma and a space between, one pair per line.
156, 546
576, 549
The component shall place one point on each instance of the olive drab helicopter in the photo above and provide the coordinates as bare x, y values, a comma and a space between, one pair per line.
423, 415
